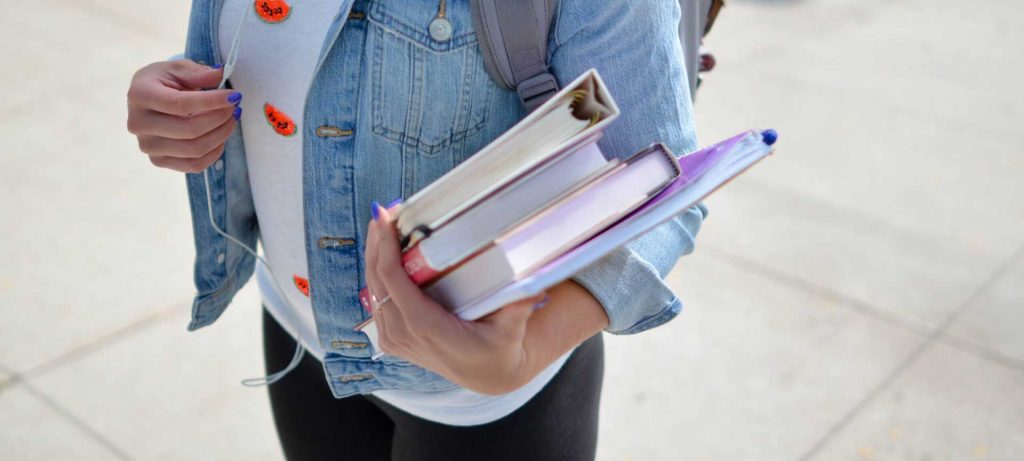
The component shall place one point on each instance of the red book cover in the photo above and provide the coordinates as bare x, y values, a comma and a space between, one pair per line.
364, 299
419, 270
415, 265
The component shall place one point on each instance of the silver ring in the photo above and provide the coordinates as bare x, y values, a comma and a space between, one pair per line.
377, 303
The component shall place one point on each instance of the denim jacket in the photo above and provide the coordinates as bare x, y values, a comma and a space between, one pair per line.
390, 110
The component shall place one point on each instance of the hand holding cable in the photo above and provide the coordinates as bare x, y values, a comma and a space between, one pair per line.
177, 125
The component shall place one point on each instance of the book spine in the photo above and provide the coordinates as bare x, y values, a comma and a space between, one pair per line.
416, 265
364, 299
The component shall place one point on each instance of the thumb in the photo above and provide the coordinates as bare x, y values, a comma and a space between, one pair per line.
193, 75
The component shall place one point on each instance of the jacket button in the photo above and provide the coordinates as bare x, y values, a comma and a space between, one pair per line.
219, 165
328, 131
343, 344
440, 29
358, 377
334, 242
220, 258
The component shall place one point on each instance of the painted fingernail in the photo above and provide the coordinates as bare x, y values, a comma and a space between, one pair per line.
394, 202
542, 302
237, 114
235, 98
218, 66
375, 210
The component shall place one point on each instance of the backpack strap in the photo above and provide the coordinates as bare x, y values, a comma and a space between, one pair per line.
513, 37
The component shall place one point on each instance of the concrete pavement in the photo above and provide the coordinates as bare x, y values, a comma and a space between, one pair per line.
858, 296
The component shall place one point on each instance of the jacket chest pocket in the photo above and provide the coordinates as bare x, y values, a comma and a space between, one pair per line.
429, 96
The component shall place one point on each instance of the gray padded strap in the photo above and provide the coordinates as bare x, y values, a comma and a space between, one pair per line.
513, 38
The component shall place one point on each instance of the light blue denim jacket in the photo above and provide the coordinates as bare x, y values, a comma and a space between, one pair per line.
390, 110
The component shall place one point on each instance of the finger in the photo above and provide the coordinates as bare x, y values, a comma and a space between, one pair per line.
193, 75
415, 306
394, 207
370, 258
152, 123
383, 331
156, 95
187, 148
397, 322
400, 336
189, 165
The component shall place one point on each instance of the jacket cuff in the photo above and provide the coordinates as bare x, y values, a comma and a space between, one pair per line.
630, 283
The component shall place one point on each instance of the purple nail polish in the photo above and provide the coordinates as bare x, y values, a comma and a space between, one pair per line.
394, 202
541, 303
218, 66
235, 98
375, 210
237, 114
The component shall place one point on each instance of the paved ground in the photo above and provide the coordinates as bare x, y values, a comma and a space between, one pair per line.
858, 296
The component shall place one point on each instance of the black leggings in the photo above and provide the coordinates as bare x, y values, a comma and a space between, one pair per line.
559, 423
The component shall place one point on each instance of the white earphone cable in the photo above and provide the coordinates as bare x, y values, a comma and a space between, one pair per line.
300, 351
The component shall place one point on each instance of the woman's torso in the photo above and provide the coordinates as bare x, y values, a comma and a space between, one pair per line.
417, 107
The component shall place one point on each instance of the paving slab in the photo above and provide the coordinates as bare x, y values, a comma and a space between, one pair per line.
913, 278
168, 21
34, 430
758, 30
995, 320
75, 45
751, 369
909, 67
882, 119
164, 393
949, 405
905, 153
102, 240
875, 193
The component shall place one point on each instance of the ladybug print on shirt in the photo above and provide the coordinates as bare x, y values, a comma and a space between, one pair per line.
279, 121
272, 11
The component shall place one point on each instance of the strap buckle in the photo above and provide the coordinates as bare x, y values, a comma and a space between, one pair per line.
537, 89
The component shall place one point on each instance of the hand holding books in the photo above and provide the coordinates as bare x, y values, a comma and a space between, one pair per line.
541, 203
485, 356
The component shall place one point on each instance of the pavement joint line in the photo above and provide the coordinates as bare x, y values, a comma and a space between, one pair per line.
970, 347
1016, 257
100, 342
78, 423
864, 307
914, 355
843, 422
879, 222
809, 287
9, 382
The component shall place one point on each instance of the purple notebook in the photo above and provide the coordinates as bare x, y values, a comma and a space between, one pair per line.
703, 172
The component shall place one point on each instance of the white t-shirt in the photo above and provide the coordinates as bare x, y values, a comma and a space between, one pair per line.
282, 79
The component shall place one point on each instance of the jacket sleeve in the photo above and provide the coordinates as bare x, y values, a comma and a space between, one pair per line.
635, 47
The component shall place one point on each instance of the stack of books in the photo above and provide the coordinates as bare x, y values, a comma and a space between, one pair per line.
542, 202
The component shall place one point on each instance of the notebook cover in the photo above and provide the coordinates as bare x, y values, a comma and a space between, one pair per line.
689, 189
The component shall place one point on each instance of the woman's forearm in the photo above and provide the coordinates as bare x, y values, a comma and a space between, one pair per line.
570, 317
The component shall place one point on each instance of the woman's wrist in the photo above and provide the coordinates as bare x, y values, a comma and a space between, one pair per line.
571, 315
